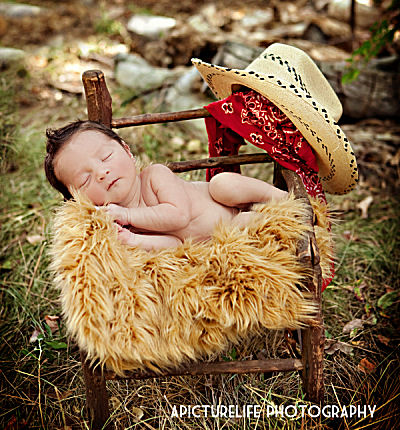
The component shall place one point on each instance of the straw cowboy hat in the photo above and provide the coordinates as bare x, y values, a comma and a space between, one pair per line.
290, 79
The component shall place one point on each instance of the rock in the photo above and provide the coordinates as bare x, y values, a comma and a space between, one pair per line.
258, 17
150, 26
177, 142
181, 97
194, 145
200, 24
175, 48
315, 34
365, 15
10, 55
290, 30
134, 72
14, 10
332, 27
374, 94
215, 17
320, 52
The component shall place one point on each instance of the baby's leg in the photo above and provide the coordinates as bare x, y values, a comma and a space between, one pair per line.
235, 190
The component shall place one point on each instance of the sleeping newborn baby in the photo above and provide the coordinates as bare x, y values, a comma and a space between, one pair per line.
159, 208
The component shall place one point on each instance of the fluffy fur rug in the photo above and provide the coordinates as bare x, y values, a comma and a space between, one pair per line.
135, 309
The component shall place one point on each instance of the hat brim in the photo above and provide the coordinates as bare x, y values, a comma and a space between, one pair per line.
335, 157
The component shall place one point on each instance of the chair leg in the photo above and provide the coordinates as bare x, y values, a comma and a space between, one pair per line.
312, 356
96, 396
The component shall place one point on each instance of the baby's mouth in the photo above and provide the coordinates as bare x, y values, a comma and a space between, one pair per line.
112, 183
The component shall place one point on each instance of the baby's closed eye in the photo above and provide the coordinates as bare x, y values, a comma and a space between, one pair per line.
85, 181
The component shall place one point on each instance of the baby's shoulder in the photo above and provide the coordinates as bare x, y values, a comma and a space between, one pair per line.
155, 171
155, 168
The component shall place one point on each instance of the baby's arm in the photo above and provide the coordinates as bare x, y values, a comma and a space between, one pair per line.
147, 242
173, 211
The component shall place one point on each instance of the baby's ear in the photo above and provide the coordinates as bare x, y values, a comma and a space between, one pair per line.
127, 149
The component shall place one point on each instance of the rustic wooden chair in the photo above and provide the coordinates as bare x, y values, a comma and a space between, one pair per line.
312, 338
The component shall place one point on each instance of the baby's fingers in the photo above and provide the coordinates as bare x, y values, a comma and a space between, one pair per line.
118, 213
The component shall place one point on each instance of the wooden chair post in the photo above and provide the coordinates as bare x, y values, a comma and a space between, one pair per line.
313, 336
98, 98
98, 102
96, 396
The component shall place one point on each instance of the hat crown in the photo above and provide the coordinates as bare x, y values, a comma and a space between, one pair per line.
296, 68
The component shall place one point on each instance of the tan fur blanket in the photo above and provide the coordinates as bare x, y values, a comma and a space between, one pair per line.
135, 309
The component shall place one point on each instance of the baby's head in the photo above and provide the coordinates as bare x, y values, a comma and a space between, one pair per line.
59, 139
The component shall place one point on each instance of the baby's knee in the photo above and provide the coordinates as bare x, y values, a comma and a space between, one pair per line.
222, 186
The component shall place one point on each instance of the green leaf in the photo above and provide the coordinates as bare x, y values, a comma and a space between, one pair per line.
55, 344
350, 76
387, 299
353, 332
7, 265
48, 329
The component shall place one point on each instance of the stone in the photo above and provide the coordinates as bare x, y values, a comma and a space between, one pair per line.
150, 26
365, 15
177, 142
258, 17
10, 55
181, 97
134, 72
194, 145
18, 10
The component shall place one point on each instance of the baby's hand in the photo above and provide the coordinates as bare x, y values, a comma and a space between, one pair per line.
124, 235
118, 213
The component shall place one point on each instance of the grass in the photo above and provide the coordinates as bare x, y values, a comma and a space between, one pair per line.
41, 384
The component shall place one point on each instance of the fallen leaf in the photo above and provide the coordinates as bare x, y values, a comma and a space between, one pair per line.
354, 324
371, 320
137, 413
366, 366
348, 235
383, 339
52, 322
332, 347
34, 336
359, 294
364, 206
35, 238
344, 347
367, 309
387, 299
388, 288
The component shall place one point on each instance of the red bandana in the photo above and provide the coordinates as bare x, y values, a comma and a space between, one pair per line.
253, 117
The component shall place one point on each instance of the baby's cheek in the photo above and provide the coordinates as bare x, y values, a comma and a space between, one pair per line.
96, 196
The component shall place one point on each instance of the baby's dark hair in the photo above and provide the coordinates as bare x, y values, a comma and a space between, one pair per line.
57, 138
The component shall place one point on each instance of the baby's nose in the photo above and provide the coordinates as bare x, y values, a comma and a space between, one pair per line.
102, 174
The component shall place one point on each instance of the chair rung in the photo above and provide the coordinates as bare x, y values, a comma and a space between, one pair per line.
250, 366
155, 118
206, 163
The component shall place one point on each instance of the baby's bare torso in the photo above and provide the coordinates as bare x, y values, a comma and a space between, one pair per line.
205, 212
